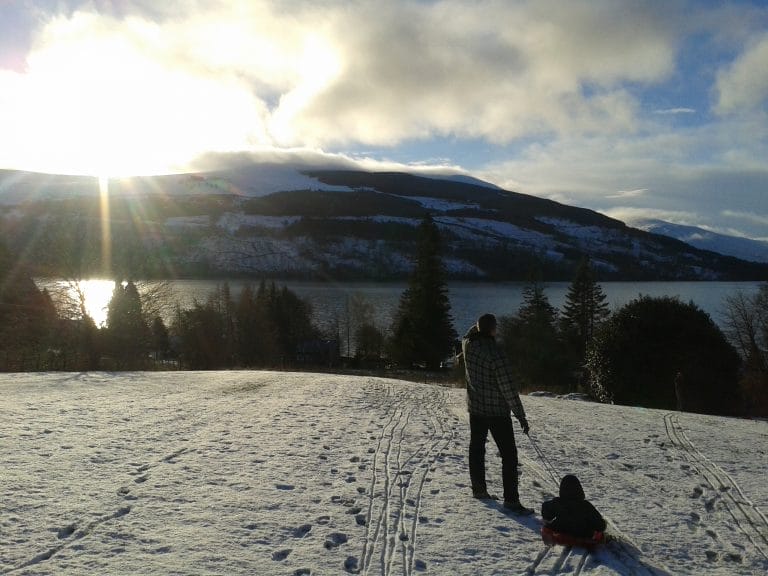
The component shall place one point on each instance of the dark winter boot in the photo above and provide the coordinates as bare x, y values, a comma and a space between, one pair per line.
514, 507
483, 495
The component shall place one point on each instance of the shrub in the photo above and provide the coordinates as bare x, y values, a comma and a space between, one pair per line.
662, 353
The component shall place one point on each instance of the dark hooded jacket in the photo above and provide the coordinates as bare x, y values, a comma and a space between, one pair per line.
571, 513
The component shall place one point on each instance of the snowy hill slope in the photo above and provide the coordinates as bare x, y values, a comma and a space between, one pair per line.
280, 473
289, 221
743, 248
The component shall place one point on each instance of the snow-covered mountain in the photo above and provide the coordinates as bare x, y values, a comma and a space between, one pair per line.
743, 248
281, 473
330, 223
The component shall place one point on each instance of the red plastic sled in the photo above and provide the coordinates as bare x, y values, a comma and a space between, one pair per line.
552, 538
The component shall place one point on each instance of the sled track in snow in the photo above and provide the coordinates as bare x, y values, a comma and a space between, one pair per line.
747, 516
563, 560
397, 484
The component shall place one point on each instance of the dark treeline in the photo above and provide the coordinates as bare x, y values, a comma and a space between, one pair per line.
265, 326
652, 352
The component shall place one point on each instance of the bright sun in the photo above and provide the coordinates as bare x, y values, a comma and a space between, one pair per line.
108, 105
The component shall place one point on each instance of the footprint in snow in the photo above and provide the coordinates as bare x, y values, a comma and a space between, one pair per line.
697, 492
281, 555
361, 520
66, 532
351, 565
420, 565
302, 530
335, 540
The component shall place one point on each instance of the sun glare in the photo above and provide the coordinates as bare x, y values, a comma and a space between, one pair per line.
115, 103
106, 229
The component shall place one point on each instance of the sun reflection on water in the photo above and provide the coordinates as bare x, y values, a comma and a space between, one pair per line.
95, 294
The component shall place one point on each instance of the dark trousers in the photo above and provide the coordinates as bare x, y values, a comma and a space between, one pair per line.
503, 434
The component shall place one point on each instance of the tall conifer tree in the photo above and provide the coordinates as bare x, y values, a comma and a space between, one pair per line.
585, 308
422, 331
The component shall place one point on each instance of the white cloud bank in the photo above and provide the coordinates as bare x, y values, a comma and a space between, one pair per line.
743, 85
149, 88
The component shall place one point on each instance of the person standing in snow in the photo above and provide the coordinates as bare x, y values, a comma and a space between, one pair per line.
491, 395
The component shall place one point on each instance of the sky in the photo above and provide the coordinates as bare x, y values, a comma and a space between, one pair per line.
635, 109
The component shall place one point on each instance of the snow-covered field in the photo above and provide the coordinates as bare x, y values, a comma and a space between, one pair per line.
282, 473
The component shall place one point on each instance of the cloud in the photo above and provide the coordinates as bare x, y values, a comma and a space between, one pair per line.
628, 193
674, 111
177, 79
742, 86
700, 171
492, 70
761, 219
314, 158
630, 215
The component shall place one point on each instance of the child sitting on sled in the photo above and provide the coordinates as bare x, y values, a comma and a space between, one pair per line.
570, 519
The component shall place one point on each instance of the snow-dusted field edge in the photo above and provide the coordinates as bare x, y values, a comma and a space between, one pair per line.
282, 473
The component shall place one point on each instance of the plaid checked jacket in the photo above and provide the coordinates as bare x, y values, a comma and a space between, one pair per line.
490, 384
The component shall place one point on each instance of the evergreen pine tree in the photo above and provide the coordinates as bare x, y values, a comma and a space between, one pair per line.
585, 308
536, 309
532, 341
128, 333
422, 331
161, 342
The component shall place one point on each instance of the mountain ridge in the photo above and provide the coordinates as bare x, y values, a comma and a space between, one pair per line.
742, 248
315, 223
